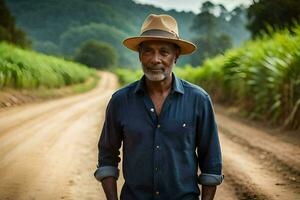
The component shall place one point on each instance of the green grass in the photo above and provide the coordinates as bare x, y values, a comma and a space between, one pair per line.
127, 76
24, 69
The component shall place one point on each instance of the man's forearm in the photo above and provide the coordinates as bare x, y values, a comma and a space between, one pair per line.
109, 185
208, 192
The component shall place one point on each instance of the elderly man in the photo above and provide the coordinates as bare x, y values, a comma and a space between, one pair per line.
166, 125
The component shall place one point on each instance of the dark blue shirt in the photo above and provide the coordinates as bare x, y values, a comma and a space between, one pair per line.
161, 154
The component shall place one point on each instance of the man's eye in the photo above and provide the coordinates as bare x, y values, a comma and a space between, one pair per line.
164, 52
147, 50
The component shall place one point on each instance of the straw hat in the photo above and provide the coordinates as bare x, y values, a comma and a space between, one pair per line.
160, 27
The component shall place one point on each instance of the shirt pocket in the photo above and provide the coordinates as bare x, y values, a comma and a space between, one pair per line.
179, 134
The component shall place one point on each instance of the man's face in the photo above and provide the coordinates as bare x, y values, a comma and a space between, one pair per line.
157, 59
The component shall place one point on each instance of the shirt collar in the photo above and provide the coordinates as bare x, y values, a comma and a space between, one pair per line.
176, 85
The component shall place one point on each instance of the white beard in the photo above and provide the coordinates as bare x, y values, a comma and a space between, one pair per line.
156, 76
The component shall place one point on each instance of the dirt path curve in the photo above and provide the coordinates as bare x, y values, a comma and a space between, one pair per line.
49, 150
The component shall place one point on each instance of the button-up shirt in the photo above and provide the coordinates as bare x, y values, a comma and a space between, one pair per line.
161, 154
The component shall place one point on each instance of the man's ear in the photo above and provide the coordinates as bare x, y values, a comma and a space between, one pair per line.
139, 54
177, 56
139, 50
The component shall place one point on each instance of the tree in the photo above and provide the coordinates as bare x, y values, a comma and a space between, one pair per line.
276, 13
210, 39
97, 54
205, 22
8, 30
237, 28
208, 6
209, 48
74, 37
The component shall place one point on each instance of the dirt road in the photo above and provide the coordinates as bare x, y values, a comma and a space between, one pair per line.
49, 151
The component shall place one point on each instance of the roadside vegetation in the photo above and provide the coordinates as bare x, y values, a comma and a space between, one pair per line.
25, 69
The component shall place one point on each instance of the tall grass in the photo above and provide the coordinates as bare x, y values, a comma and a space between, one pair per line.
24, 69
262, 78
127, 76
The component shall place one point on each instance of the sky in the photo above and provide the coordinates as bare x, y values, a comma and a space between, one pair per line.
192, 5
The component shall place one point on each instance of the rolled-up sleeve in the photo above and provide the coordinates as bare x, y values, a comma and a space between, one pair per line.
208, 146
109, 144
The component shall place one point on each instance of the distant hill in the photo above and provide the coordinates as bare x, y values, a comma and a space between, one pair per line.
58, 27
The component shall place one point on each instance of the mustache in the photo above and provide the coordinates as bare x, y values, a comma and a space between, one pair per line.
154, 67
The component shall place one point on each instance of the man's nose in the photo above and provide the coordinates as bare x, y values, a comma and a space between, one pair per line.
156, 58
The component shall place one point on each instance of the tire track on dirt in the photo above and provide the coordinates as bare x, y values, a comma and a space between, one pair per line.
253, 167
285, 153
286, 170
252, 180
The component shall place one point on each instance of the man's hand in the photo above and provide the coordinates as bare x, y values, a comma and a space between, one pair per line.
109, 185
208, 192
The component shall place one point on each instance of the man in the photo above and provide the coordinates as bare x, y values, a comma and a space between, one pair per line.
166, 125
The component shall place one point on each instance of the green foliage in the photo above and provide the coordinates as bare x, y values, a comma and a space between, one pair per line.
74, 37
276, 13
209, 46
209, 75
216, 33
47, 20
24, 69
97, 54
127, 76
216, 20
205, 23
8, 30
262, 78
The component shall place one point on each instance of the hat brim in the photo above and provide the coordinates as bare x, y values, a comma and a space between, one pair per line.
186, 47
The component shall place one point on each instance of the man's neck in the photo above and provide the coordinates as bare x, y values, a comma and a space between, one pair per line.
159, 87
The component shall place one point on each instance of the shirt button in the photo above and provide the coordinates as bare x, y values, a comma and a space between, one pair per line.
156, 168
157, 192
158, 125
152, 109
157, 146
